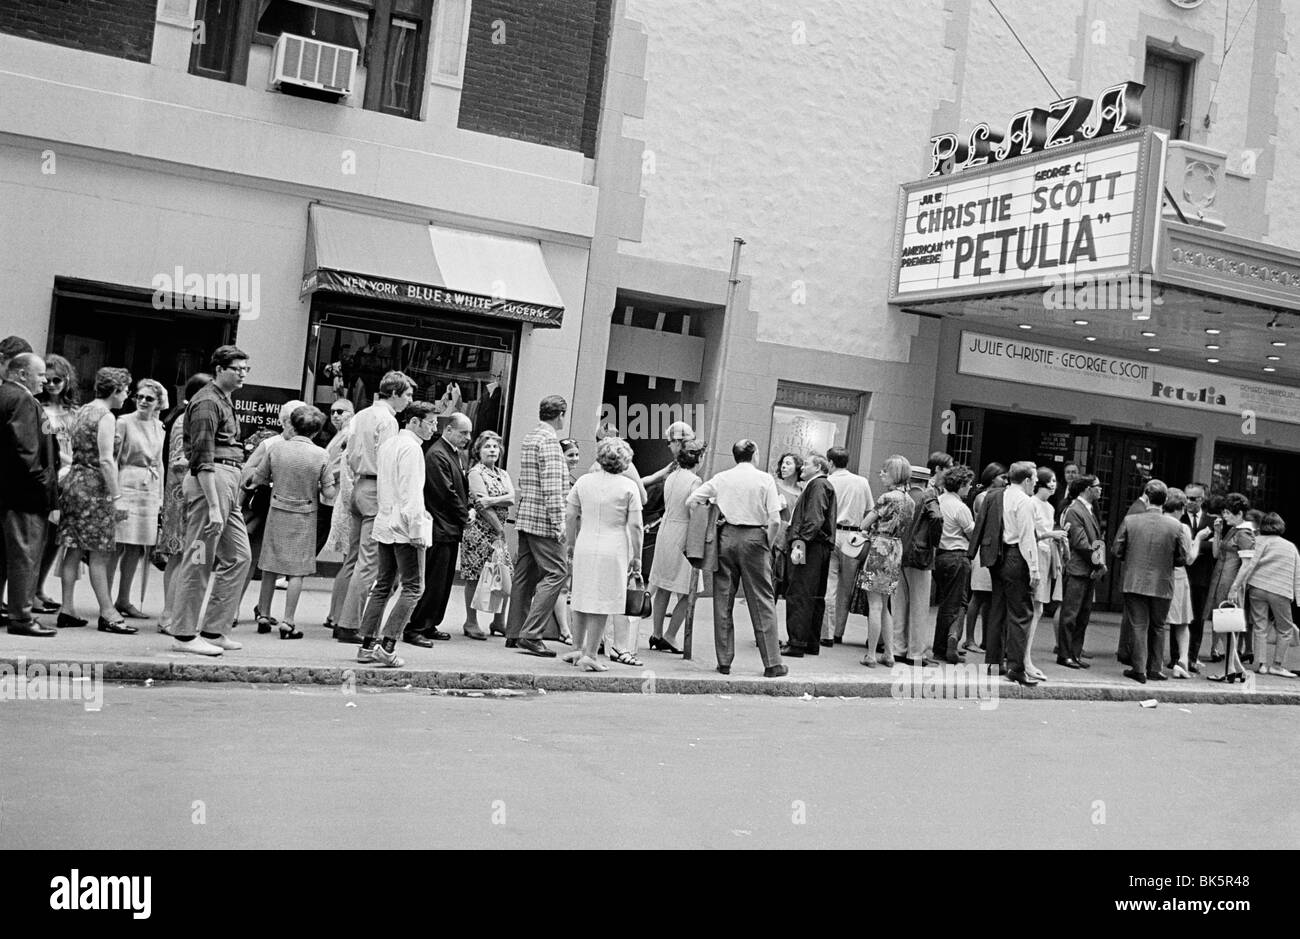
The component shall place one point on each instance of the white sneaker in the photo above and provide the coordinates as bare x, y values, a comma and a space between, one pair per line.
366, 655
385, 659
198, 645
225, 642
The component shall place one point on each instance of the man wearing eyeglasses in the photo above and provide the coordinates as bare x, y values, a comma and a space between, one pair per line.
341, 414
216, 541
1199, 573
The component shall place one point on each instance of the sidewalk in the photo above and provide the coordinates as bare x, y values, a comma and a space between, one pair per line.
462, 663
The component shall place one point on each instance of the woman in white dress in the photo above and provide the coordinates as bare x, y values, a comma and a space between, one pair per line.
1049, 559
140, 471
603, 524
670, 573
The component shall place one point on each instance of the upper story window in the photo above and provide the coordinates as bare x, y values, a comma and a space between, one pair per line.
393, 38
1167, 100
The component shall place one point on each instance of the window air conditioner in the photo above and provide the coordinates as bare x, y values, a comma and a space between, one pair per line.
309, 63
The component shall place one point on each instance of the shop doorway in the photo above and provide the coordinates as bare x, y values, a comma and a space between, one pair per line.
96, 325
1124, 462
458, 365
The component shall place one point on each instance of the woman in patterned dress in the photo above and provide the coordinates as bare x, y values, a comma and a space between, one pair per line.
492, 494
171, 527
60, 401
140, 473
299, 474
88, 512
882, 566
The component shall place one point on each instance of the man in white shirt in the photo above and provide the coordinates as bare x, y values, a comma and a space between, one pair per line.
1018, 569
402, 530
748, 501
853, 501
370, 428
952, 563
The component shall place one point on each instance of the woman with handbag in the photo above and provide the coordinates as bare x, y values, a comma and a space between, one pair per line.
604, 531
484, 541
670, 572
882, 566
1233, 541
1270, 582
788, 471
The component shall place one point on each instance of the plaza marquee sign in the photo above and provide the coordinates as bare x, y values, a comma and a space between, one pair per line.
1091, 372
1083, 209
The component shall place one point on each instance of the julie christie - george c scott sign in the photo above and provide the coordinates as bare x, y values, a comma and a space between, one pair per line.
1081, 370
1078, 210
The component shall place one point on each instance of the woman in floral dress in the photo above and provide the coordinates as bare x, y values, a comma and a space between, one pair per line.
60, 401
492, 493
88, 512
882, 566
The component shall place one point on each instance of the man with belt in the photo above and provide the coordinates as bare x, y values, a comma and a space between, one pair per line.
1199, 572
912, 631
852, 503
370, 428
750, 509
1018, 570
951, 563
216, 541
810, 539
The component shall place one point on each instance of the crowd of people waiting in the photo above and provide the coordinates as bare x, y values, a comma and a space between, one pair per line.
408, 513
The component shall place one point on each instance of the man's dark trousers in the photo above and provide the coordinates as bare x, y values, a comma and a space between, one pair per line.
24, 536
995, 621
1018, 599
439, 573
1197, 629
805, 598
952, 576
541, 569
1148, 623
744, 556
1076, 613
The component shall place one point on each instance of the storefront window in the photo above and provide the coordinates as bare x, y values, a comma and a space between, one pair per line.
453, 375
805, 432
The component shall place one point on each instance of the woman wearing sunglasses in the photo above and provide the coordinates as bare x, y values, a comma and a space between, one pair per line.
140, 475
60, 401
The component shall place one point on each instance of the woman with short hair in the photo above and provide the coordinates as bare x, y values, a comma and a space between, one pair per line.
299, 474
60, 401
1234, 541
671, 574
981, 578
88, 503
1271, 579
492, 493
603, 528
882, 564
140, 473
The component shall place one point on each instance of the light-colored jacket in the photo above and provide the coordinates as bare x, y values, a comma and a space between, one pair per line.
402, 518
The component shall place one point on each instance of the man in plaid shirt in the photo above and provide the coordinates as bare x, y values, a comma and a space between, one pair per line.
540, 568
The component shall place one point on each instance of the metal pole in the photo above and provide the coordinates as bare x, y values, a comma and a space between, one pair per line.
715, 400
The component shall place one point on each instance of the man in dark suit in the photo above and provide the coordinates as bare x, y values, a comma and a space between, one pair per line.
1151, 545
1198, 573
986, 544
1124, 653
28, 467
809, 542
446, 497
1084, 531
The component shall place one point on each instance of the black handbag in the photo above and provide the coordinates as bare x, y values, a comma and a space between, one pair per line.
638, 598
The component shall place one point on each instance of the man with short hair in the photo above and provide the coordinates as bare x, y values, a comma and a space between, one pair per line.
341, 413
1199, 572
1018, 571
541, 566
951, 563
1151, 544
370, 429
10, 346
912, 631
853, 501
402, 529
810, 538
28, 488
216, 541
446, 496
1083, 534
750, 517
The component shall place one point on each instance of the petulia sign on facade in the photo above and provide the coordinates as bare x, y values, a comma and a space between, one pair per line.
1088, 371
1086, 208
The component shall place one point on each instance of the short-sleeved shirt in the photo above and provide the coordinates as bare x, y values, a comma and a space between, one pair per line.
745, 495
958, 523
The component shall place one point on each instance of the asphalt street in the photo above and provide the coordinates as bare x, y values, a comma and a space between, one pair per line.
238, 766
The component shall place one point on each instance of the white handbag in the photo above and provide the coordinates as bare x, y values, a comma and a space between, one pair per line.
1229, 618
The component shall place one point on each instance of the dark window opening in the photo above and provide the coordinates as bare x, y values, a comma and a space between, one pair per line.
1166, 101
215, 28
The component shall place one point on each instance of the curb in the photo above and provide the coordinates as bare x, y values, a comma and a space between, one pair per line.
631, 684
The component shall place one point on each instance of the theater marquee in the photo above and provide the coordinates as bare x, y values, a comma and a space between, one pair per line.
1084, 209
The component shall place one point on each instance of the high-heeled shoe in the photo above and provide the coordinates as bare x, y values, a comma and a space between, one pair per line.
572, 657
264, 624
287, 630
496, 630
1228, 678
659, 644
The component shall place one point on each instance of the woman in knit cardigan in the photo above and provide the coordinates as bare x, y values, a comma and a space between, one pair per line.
1272, 582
